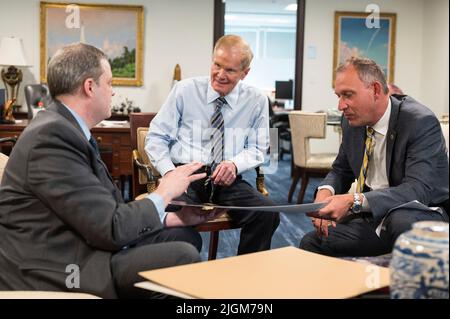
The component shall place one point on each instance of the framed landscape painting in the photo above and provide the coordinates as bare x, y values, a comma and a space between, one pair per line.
354, 37
115, 29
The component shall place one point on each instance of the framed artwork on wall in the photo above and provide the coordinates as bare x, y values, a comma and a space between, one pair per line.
115, 29
354, 36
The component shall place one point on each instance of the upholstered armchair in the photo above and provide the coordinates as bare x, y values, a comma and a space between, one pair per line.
306, 126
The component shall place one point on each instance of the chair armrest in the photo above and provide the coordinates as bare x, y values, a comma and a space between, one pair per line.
260, 186
147, 170
8, 139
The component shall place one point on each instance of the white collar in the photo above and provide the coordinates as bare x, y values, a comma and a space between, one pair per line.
231, 97
382, 125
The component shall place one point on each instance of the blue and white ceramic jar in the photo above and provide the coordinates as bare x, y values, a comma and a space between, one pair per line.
419, 265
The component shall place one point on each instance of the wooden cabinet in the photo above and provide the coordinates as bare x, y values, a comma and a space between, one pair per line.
115, 149
113, 142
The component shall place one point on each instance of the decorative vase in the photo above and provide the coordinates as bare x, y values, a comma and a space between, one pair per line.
419, 265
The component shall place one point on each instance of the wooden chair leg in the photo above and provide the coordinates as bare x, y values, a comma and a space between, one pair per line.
213, 243
301, 195
294, 182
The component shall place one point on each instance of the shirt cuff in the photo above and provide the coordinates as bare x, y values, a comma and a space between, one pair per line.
164, 166
159, 204
329, 187
365, 207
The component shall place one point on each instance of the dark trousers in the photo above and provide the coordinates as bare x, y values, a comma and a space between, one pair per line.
166, 248
257, 227
356, 236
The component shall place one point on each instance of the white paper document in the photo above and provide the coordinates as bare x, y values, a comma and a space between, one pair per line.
298, 209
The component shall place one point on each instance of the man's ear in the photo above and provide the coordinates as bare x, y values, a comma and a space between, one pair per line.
246, 70
88, 87
377, 89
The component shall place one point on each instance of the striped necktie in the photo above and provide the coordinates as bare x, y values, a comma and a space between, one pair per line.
217, 136
367, 154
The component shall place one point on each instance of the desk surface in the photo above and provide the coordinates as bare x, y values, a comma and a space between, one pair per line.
113, 127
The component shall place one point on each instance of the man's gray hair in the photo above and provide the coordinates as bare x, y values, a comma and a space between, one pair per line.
71, 66
368, 71
234, 41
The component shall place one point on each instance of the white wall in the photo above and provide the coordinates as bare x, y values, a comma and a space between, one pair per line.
435, 59
176, 31
421, 57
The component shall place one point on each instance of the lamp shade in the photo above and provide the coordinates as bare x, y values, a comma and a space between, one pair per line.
11, 52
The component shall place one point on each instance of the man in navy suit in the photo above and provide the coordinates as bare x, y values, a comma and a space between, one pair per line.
394, 147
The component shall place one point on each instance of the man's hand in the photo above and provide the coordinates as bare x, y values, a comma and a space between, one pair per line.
321, 226
322, 195
224, 174
176, 182
337, 208
189, 216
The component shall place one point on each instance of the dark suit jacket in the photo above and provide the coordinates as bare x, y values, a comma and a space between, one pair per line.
416, 160
59, 206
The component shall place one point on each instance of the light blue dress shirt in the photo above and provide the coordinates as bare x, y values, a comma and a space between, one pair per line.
156, 199
181, 133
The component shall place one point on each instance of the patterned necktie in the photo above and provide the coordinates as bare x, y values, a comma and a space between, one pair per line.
94, 145
217, 135
367, 154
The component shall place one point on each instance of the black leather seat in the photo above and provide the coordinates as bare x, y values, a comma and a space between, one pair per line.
36, 94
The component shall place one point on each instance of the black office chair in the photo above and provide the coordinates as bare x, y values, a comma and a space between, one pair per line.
281, 122
36, 95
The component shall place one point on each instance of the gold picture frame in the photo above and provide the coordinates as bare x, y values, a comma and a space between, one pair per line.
115, 29
352, 36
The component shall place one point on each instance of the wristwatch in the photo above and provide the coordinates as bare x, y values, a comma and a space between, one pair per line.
357, 203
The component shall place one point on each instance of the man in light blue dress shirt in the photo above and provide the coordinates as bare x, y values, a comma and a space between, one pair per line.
181, 133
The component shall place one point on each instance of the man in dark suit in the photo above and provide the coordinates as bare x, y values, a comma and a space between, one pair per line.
63, 223
394, 147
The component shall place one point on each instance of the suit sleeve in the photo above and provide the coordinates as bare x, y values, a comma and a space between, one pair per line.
61, 174
421, 153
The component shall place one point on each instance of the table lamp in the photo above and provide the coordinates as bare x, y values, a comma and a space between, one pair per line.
11, 55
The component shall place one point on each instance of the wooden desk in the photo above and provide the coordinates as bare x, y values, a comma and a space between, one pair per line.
113, 141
